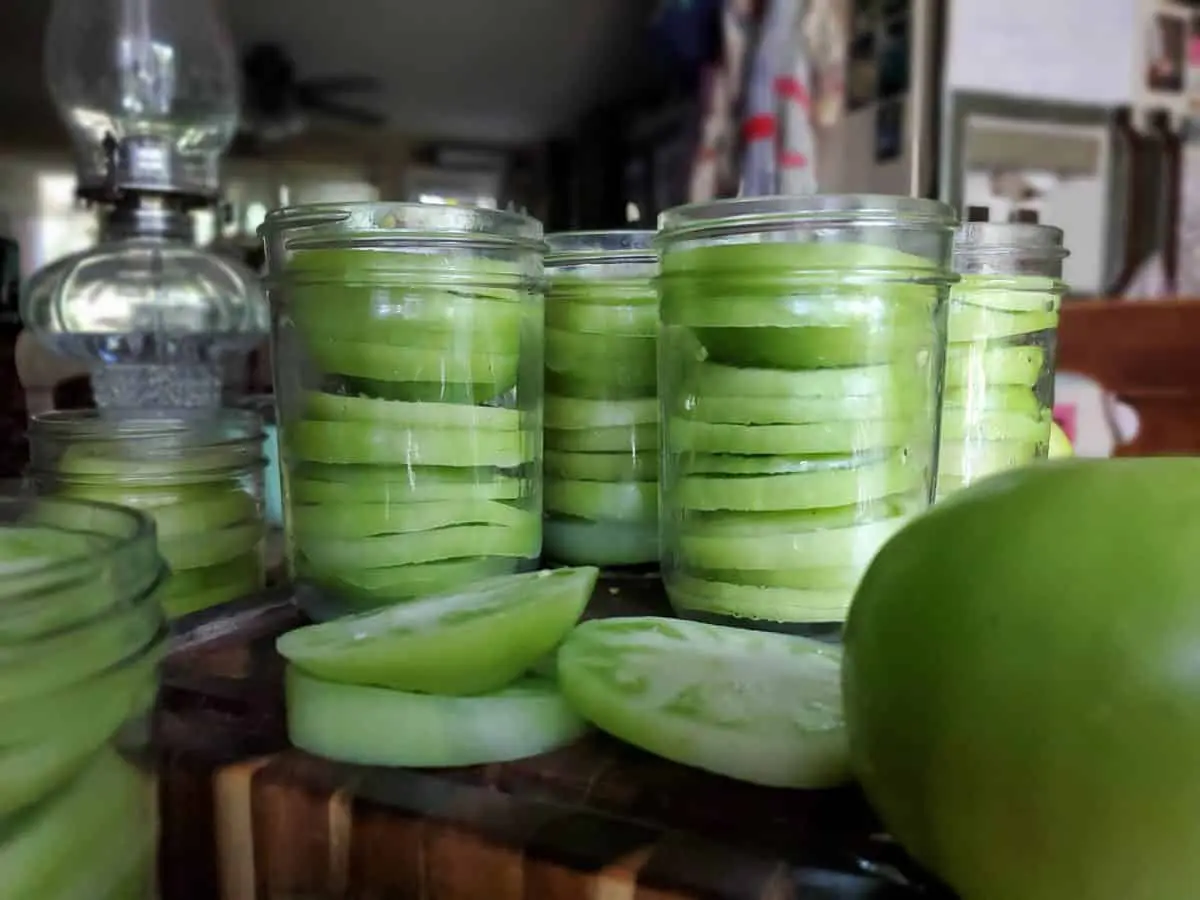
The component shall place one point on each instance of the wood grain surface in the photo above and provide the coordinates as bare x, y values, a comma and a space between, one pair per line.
247, 818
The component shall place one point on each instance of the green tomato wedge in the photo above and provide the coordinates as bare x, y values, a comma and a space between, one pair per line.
582, 542
317, 483
375, 444
382, 362
359, 520
763, 708
795, 606
630, 501
571, 412
469, 641
600, 466
982, 363
623, 439
371, 588
376, 726
794, 440
340, 408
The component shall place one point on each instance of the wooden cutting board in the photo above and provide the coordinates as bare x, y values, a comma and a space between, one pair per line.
247, 818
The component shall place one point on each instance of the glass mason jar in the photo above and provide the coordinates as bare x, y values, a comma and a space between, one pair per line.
408, 378
601, 416
81, 637
197, 473
1001, 331
800, 364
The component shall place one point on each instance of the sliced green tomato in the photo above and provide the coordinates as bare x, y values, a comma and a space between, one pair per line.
26, 550
202, 516
601, 466
992, 365
796, 606
820, 486
596, 387
581, 542
782, 541
997, 425
190, 551
375, 444
975, 323
730, 464
1015, 399
801, 410
340, 408
816, 347
181, 467
1013, 293
831, 578
146, 497
629, 501
619, 319
793, 440
469, 641
359, 520
498, 371
763, 708
191, 590
976, 459
84, 822
736, 261
522, 542
414, 271
421, 391
623, 439
573, 413
379, 727
370, 588
715, 380
316, 483
621, 360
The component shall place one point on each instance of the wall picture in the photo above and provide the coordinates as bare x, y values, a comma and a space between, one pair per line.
1166, 53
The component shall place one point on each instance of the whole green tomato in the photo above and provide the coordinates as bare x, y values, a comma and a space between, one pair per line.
1022, 683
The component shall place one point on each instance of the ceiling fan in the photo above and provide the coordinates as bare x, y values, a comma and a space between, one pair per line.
277, 104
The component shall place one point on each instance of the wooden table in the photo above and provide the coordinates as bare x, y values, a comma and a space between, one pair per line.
245, 817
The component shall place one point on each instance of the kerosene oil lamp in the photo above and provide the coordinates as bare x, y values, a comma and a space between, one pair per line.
148, 90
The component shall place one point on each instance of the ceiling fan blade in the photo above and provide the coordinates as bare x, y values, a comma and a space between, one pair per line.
344, 111
342, 84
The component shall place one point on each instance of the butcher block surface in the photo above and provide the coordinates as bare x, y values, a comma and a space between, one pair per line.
245, 817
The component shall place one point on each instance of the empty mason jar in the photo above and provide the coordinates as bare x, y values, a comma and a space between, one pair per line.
1002, 329
800, 365
197, 473
408, 376
601, 412
81, 637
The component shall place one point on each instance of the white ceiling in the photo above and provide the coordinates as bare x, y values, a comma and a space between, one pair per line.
476, 70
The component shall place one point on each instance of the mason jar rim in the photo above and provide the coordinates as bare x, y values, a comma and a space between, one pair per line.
376, 223
740, 214
618, 244
1026, 238
94, 424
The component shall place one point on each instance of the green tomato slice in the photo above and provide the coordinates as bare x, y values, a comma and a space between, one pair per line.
793, 440
316, 483
494, 373
188, 551
359, 520
1015, 399
801, 410
413, 270
1019, 293
977, 459
623, 439
763, 708
998, 425
845, 538
340, 408
191, 590
423, 391
375, 444
982, 363
975, 323
629, 501
579, 542
379, 727
894, 380
596, 386
822, 578
806, 347
623, 320
146, 497
622, 360
456, 542
213, 512
100, 461
572, 412
469, 641
600, 466
371, 588
795, 606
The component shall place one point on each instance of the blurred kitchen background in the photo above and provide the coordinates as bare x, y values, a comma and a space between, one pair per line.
601, 113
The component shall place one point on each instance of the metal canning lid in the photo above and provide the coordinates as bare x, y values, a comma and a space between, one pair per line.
584, 247
717, 218
398, 225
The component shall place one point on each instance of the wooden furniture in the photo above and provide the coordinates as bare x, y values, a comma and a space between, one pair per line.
1147, 353
247, 818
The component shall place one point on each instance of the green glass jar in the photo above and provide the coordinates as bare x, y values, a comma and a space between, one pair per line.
407, 346
800, 364
197, 473
81, 637
601, 417
1002, 329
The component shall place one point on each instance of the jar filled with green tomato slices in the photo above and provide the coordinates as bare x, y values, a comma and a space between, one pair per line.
1002, 328
197, 473
800, 367
601, 415
81, 637
408, 377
